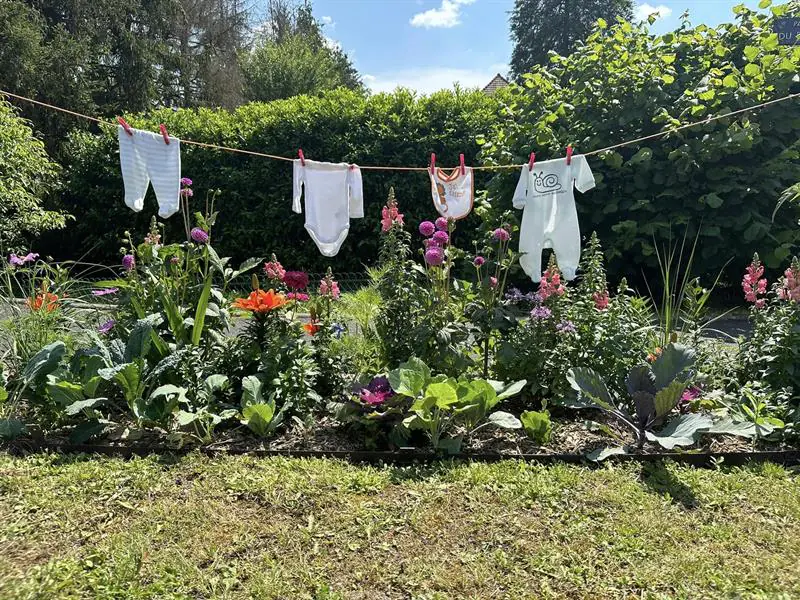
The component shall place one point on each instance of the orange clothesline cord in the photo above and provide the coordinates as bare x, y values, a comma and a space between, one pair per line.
388, 168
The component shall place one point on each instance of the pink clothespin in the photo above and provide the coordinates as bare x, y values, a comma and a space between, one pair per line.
164, 133
461, 160
302, 157
125, 125
433, 163
531, 161
569, 154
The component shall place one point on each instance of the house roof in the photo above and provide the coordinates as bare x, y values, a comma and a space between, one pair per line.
497, 82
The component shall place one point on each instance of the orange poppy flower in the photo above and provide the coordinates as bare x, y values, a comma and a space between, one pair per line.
46, 301
311, 328
261, 302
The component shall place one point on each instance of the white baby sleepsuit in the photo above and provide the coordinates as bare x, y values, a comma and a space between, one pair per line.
452, 194
333, 195
144, 158
549, 218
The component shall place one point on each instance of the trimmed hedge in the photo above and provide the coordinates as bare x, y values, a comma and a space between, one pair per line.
255, 205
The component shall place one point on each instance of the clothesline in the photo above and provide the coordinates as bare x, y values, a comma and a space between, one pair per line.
392, 168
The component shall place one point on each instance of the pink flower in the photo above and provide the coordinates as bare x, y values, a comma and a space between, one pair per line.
274, 270
441, 224
297, 296
104, 291
551, 285
434, 256
427, 228
501, 235
329, 288
187, 193
390, 216
790, 285
441, 238
601, 300
753, 284
493, 282
295, 280
185, 181
479, 260
199, 235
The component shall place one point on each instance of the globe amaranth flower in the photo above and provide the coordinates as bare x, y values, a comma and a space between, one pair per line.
295, 280
479, 260
441, 238
434, 256
565, 327
541, 313
501, 235
442, 224
427, 228
199, 235
185, 181
104, 291
128, 262
107, 326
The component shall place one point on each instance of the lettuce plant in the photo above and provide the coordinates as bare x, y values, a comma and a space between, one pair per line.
654, 390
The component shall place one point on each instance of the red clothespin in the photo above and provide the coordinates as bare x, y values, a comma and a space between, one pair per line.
461, 160
569, 154
302, 157
531, 161
125, 125
433, 163
164, 133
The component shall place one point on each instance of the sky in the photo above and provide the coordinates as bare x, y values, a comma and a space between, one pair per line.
428, 45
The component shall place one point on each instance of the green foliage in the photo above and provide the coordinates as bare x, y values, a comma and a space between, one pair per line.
255, 217
28, 178
537, 425
721, 179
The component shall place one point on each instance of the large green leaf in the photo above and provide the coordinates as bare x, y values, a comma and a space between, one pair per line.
444, 394
537, 425
247, 265
80, 405
505, 420
258, 417
683, 430
667, 398
450, 445
200, 313
746, 429
512, 389
128, 377
589, 383
410, 377
640, 379
44, 362
86, 430
674, 360
140, 338
65, 393
601, 454
251, 391
11, 429
213, 384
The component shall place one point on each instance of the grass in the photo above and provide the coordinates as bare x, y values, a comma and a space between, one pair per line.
238, 527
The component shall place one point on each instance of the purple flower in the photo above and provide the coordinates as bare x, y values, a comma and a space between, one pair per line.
434, 256
441, 224
199, 235
479, 260
514, 295
16, 260
501, 235
427, 228
377, 392
128, 262
565, 327
186, 181
441, 238
105, 291
338, 329
541, 313
691, 393
187, 193
107, 326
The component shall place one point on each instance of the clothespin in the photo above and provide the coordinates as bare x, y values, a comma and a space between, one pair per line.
569, 154
531, 161
164, 133
461, 160
302, 157
125, 125
433, 163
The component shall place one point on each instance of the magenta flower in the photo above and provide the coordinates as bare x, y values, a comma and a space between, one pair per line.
199, 235
377, 392
186, 181
441, 224
501, 235
479, 260
295, 280
104, 291
434, 256
187, 193
298, 296
427, 228
441, 238
107, 326
753, 284
493, 282
128, 262
15, 260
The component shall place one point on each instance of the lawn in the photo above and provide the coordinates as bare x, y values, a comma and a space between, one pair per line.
238, 527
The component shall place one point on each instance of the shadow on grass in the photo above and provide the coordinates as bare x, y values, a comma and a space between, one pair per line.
661, 481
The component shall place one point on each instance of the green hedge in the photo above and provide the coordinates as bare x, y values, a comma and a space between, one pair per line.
255, 205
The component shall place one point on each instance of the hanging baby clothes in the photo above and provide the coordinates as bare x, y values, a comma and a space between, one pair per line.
144, 158
549, 218
333, 196
452, 194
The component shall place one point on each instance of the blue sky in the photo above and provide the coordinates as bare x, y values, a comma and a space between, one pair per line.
430, 44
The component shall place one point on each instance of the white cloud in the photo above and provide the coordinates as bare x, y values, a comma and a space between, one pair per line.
431, 79
447, 15
642, 11
328, 21
332, 43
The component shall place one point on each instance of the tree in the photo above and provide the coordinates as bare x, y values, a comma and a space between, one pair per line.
27, 178
541, 26
292, 57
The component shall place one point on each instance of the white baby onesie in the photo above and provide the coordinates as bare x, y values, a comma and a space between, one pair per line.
144, 158
334, 195
549, 217
452, 194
